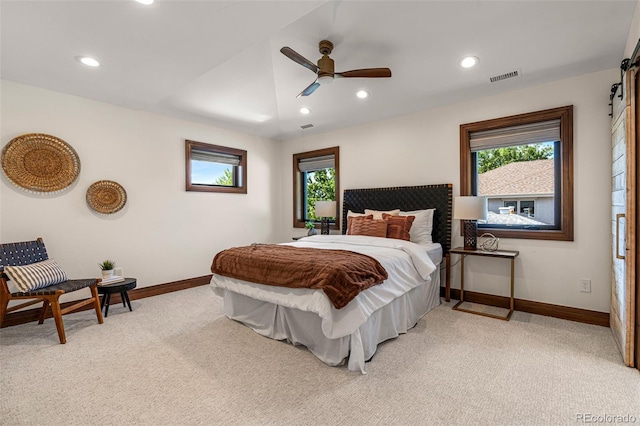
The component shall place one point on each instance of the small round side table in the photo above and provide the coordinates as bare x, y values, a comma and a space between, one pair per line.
120, 287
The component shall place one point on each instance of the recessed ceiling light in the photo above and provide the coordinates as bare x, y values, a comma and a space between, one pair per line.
88, 61
468, 61
145, 2
305, 110
362, 94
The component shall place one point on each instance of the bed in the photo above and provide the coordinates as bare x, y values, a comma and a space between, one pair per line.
351, 334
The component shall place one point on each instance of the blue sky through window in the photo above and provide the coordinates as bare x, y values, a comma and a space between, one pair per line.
207, 172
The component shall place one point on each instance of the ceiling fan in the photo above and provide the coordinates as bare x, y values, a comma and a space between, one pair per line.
325, 68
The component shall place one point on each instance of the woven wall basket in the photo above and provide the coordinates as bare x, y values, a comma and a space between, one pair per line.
40, 163
106, 196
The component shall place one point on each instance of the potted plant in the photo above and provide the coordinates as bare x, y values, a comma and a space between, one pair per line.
107, 268
311, 227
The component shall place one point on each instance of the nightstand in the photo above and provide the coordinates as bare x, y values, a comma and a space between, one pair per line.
504, 254
121, 287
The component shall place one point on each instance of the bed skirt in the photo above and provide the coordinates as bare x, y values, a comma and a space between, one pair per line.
305, 328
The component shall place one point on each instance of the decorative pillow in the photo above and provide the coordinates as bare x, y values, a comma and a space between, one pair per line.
37, 275
398, 226
377, 214
354, 219
422, 225
351, 214
366, 225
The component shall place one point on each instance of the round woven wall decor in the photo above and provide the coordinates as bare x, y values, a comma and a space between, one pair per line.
106, 196
40, 163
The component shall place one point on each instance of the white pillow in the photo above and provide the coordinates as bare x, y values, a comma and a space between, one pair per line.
350, 214
377, 214
422, 227
34, 276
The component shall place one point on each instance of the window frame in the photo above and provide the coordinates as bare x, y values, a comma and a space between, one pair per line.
468, 172
240, 174
299, 187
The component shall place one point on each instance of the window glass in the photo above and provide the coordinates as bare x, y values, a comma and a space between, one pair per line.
315, 178
320, 185
527, 208
213, 168
510, 176
212, 173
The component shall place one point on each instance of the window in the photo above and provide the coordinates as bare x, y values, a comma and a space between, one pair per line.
316, 177
523, 164
213, 168
527, 208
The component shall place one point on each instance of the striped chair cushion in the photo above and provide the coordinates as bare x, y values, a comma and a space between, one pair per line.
34, 276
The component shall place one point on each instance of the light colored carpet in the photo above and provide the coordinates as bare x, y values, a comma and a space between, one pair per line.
176, 360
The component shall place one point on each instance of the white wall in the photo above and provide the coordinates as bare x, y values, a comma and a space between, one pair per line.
164, 233
634, 33
423, 148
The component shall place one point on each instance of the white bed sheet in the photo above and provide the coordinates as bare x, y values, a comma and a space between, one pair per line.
408, 265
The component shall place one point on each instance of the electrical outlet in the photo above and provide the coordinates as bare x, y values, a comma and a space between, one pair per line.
585, 285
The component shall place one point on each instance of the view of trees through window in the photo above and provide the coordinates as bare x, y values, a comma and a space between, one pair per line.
316, 177
320, 186
493, 158
519, 194
226, 178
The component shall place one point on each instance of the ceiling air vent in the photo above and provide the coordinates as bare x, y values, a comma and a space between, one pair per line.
306, 126
515, 73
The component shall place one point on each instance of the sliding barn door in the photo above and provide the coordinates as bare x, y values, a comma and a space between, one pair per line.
623, 285
636, 132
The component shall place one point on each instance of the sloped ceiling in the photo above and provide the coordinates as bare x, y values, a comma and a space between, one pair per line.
219, 62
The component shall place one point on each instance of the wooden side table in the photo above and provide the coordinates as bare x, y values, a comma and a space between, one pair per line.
505, 254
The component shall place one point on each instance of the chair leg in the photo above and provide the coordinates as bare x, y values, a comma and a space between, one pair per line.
57, 315
96, 303
4, 301
43, 311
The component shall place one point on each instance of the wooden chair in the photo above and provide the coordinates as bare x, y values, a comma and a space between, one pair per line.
28, 252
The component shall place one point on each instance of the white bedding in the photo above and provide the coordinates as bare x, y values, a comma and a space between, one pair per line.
408, 265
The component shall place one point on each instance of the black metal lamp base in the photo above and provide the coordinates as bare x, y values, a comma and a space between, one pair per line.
470, 232
324, 226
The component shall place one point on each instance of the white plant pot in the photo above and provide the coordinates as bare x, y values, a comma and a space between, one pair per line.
107, 273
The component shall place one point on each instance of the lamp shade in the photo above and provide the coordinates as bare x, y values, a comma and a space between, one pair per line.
470, 208
325, 208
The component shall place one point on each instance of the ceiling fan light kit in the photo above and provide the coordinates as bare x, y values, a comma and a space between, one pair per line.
325, 79
325, 70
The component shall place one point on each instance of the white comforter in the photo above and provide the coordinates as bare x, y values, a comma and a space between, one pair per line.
408, 265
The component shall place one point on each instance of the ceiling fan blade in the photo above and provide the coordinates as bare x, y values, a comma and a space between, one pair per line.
368, 72
310, 89
296, 57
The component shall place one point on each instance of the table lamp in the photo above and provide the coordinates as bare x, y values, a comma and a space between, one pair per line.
325, 210
469, 209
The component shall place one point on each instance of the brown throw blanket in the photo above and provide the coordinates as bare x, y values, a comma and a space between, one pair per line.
341, 274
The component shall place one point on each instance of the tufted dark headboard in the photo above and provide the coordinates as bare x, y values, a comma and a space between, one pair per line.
406, 198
